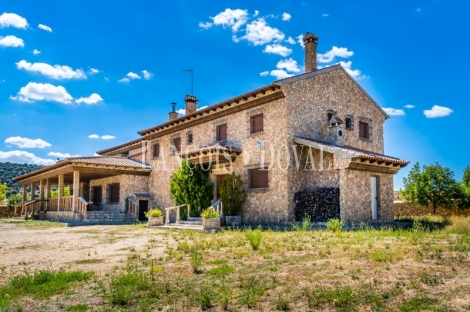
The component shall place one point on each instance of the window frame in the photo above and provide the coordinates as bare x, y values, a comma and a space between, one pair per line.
189, 138
366, 130
156, 148
252, 123
348, 123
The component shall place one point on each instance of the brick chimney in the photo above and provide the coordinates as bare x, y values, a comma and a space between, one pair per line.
173, 113
310, 42
191, 104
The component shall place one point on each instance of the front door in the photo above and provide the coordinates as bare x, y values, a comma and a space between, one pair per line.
373, 184
143, 208
220, 179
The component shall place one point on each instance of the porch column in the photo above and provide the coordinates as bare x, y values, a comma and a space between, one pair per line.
41, 194
60, 190
76, 188
33, 191
48, 193
25, 195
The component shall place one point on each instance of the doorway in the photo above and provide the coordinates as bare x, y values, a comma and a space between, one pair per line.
143, 208
373, 184
220, 180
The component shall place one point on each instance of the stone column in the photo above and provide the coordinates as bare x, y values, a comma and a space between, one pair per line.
76, 188
60, 190
32, 190
25, 195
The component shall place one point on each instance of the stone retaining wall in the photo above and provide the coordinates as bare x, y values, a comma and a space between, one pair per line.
63, 216
405, 209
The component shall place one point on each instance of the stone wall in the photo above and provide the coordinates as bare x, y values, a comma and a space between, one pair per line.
63, 216
127, 185
405, 209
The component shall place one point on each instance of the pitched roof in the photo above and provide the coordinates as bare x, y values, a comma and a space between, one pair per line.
123, 145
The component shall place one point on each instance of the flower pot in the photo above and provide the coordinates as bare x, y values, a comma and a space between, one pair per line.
155, 221
211, 225
233, 220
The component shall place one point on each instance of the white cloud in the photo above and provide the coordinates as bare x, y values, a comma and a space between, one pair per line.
409, 106
394, 111
256, 13
22, 157
300, 40
290, 40
205, 25
61, 155
231, 18
437, 111
93, 71
43, 92
92, 99
355, 73
93, 136
55, 72
147, 75
286, 16
277, 49
107, 137
289, 65
11, 41
132, 75
258, 32
124, 80
181, 111
334, 52
44, 27
27, 143
280, 74
36, 52
12, 20
325, 14
265, 73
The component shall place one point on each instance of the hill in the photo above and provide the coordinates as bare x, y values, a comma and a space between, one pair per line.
10, 170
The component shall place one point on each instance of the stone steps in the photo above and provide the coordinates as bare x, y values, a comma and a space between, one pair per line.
181, 227
109, 217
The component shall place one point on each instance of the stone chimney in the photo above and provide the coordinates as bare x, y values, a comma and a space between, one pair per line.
336, 135
191, 104
173, 113
310, 43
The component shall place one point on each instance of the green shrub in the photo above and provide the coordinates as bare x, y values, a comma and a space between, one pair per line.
154, 213
254, 237
209, 213
334, 225
302, 227
233, 194
221, 271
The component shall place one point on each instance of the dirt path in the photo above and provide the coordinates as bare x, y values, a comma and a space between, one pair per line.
88, 248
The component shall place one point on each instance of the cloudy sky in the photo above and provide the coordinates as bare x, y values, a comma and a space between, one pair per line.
80, 76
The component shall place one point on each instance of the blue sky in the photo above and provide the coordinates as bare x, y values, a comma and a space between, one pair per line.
401, 52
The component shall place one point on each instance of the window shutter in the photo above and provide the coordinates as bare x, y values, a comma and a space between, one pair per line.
177, 144
222, 133
259, 178
257, 123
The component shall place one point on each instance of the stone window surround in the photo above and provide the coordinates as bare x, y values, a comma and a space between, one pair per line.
217, 123
172, 137
368, 121
251, 113
189, 132
152, 143
351, 116
247, 178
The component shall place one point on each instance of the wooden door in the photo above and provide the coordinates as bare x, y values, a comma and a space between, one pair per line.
373, 182
220, 179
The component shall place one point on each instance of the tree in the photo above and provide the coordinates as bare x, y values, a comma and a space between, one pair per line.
466, 178
3, 191
190, 185
55, 193
434, 185
14, 200
233, 194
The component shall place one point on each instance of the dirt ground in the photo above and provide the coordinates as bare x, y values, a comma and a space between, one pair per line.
91, 248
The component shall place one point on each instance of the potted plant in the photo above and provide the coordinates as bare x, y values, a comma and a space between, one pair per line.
155, 217
233, 197
210, 220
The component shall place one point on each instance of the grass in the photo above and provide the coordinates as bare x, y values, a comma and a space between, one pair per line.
89, 261
254, 237
36, 223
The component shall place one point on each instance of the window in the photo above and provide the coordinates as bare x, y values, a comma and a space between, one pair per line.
258, 178
348, 123
156, 150
113, 193
363, 130
97, 194
189, 138
222, 132
328, 117
257, 123
177, 144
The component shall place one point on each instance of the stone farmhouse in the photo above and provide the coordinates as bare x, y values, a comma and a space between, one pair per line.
317, 129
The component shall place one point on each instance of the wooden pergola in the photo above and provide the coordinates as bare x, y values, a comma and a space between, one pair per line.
72, 171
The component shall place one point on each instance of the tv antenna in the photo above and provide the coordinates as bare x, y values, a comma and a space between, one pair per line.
192, 79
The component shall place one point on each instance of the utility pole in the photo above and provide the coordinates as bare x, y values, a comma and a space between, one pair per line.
192, 79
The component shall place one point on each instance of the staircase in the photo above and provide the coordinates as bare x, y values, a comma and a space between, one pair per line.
108, 218
191, 223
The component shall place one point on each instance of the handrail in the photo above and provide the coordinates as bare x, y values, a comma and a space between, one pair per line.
133, 207
218, 207
81, 206
167, 210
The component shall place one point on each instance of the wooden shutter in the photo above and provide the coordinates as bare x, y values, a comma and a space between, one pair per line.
156, 150
177, 144
259, 178
189, 138
114, 193
222, 132
257, 123
363, 130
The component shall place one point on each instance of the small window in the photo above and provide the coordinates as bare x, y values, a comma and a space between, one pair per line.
113, 194
348, 123
97, 194
177, 144
189, 138
328, 117
258, 178
363, 130
257, 123
156, 150
222, 132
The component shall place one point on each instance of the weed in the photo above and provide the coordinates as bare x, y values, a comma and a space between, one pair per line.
221, 271
282, 304
334, 225
302, 227
254, 237
89, 261
431, 280
196, 260
78, 308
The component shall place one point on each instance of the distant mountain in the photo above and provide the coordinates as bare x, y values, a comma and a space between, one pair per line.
10, 170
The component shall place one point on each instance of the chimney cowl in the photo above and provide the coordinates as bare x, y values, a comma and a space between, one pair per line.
173, 107
191, 104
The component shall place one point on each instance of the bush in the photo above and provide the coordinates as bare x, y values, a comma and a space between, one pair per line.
334, 225
254, 237
154, 213
302, 227
233, 195
209, 213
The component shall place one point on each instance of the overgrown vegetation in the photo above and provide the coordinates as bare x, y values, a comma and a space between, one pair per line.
233, 194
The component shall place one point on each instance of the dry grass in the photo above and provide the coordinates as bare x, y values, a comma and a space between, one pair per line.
365, 270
